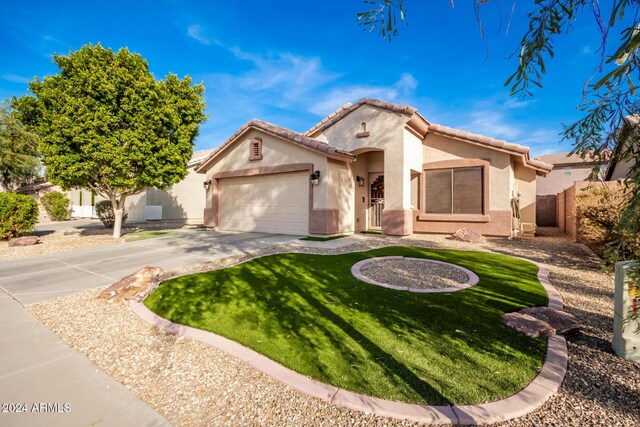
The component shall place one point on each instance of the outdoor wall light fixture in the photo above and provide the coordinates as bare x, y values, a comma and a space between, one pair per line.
315, 177
360, 180
207, 184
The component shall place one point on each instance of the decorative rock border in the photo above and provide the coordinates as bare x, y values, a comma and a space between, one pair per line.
473, 277
539, 390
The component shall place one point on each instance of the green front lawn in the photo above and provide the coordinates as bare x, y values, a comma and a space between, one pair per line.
310, 314
146, 234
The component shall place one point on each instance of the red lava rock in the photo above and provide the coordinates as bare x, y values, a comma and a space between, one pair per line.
466, 235
560, 320
528, 325
24, 241
134, 287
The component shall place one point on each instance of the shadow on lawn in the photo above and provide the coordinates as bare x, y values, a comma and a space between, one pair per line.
392, 344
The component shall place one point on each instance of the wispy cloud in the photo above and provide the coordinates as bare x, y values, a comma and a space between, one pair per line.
492, 123
515, 103
15, 78
50, 41
289, 77
197, 33
403, 88
286, 88
507, 119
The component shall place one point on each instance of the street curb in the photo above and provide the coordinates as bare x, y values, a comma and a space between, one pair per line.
537, 392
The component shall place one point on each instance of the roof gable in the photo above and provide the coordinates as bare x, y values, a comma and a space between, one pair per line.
348, 108
283, 134
422, 127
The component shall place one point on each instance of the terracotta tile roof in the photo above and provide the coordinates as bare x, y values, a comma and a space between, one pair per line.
199, 156
484, 140
347, 108
519, 150
567, 159
31, 188
283, 133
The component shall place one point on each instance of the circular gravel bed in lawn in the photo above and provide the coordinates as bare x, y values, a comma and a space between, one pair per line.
414, 274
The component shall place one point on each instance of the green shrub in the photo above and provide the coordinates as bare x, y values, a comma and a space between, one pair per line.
18, 214
104, 211
599, 213
57, 205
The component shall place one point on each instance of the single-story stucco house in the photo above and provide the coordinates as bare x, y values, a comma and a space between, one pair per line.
567, 169
182, 203
372, 165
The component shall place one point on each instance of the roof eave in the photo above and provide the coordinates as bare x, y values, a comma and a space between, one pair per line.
331, 152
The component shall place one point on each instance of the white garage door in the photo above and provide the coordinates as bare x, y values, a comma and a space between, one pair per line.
266, 203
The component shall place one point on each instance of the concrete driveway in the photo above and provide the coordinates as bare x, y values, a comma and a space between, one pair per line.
35, 279
44, 382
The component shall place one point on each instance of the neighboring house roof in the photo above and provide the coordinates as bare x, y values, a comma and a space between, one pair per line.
629, 121
199, 156
33, 188
568, 159
283, 133
423, 126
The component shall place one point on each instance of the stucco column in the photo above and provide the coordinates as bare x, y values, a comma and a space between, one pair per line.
400, 158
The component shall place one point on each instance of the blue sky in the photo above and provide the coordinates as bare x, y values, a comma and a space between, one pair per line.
293, 62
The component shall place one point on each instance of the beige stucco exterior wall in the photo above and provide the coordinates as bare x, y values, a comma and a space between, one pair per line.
341, 184
384, 128
412, 162
275, 152
439, 148
386, 132
184, 201
525, 184
557, 181
135, 207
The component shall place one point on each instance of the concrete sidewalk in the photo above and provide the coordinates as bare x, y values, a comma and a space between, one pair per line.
56, 385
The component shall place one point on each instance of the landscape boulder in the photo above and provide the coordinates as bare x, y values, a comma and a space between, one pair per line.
134, 287
24, 241
561, 321
528, 325
466, 235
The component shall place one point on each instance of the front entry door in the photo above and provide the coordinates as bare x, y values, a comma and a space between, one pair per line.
376, 200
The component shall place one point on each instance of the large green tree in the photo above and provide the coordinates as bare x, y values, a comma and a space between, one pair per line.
107, 124
18, 148
610, 123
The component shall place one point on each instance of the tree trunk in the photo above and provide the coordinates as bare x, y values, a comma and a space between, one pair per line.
118, 210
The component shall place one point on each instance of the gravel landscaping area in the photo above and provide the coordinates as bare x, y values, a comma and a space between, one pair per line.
58, 241
192, 384
413, 274
72, 235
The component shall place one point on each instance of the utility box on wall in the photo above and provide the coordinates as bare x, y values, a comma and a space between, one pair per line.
153, 213
626, 342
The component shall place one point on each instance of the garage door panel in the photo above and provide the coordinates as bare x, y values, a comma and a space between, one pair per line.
271, 203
